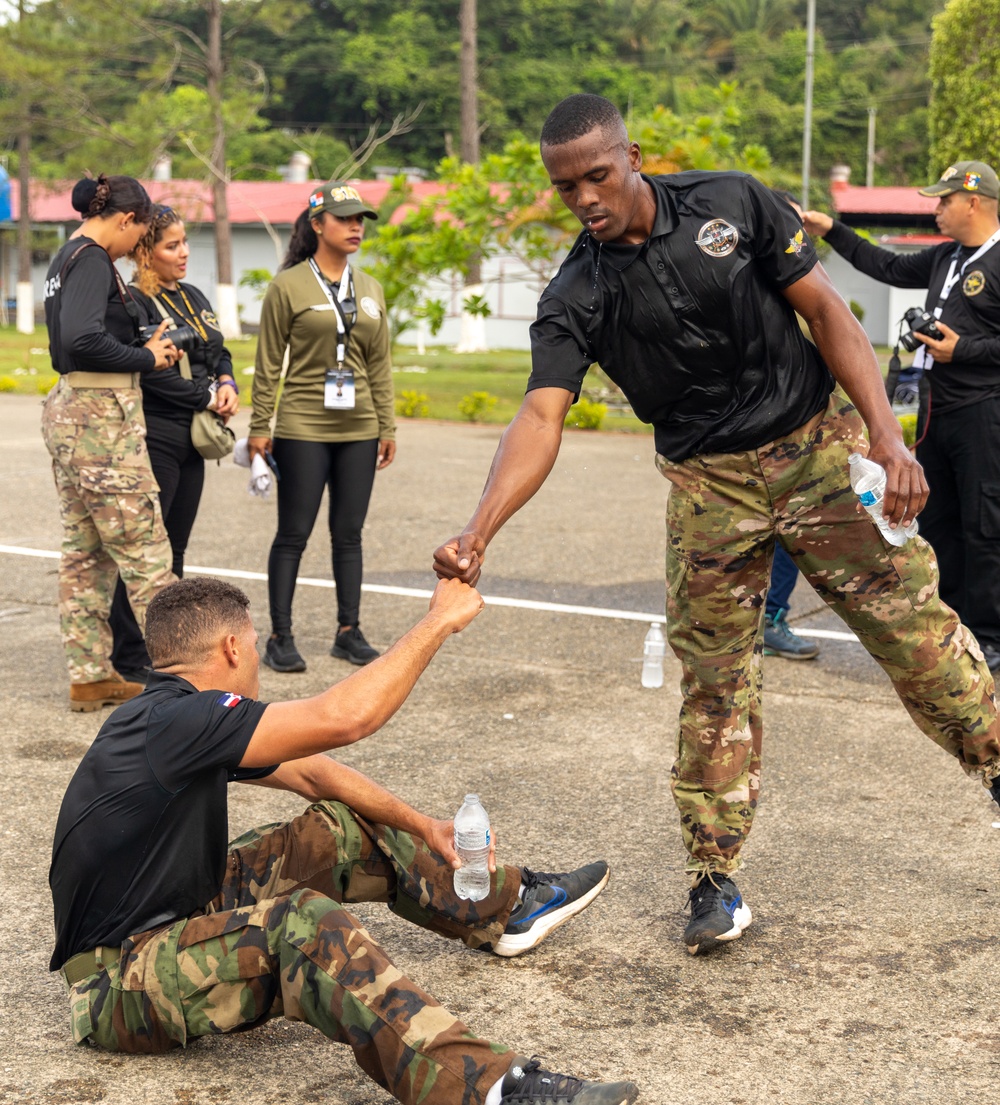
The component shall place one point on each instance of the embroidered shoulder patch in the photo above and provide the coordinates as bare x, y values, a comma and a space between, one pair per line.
370, 307
229, 700
797, 244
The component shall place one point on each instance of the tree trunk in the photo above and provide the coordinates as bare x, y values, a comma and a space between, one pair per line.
226, 305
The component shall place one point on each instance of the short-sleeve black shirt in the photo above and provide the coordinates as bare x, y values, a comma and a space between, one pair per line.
691, 324
143, 831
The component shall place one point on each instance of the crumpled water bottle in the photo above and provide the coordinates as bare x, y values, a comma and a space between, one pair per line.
868, 481
472, 842
654, 648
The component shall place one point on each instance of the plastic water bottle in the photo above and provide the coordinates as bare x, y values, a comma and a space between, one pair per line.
653, 649
868, 481
472, 842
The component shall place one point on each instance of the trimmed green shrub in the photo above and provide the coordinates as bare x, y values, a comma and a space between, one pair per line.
476, 406
412, 404
586, 414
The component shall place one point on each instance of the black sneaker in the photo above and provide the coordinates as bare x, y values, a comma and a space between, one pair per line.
718, 913
350, 644
779, 640
526, 1083
547, 902
282, 655
995, 790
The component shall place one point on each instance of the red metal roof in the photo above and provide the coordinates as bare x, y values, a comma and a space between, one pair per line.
851, 200
250, 201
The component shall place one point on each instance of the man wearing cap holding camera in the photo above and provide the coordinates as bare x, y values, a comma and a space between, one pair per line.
959, 444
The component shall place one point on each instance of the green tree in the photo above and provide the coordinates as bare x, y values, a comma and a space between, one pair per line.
965, 56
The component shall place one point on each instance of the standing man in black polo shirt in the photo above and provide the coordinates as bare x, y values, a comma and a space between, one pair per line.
959, 446
684, 288
165, 932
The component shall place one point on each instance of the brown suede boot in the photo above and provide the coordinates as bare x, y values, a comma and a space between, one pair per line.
85, 697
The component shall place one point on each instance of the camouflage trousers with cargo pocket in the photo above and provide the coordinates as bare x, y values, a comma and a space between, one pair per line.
277, 941
724, 513
112, 524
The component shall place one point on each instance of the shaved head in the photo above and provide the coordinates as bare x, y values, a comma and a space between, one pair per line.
578, 115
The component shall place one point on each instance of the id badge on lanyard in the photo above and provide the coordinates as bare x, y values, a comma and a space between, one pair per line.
338, 383
338, 389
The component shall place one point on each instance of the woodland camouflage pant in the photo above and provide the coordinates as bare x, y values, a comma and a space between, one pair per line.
277, 941
724, 512
110, 508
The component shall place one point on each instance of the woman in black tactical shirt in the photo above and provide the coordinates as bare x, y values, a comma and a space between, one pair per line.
169, 399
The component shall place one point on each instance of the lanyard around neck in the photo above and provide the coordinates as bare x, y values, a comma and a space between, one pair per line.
953, 277
344, 292
191, 318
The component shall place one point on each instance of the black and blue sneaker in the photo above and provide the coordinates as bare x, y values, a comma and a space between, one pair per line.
718, 913
547, 901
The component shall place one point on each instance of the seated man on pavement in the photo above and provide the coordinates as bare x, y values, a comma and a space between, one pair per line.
164, 933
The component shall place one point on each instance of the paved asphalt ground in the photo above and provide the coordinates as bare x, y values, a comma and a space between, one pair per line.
869, 976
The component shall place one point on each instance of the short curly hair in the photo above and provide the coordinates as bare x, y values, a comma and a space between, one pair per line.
578, 115
143, 274
186, 619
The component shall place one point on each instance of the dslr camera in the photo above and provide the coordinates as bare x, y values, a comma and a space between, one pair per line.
919, 322
184, 337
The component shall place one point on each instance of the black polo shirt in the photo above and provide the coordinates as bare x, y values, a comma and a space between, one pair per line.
691, 324
143, 830
972, 309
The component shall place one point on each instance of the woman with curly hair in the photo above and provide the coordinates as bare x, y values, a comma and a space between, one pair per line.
169, 399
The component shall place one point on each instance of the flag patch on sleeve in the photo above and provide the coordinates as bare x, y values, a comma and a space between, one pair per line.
229, 699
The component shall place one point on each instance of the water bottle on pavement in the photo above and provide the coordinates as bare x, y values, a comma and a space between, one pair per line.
472, 842
653, 649
868, 481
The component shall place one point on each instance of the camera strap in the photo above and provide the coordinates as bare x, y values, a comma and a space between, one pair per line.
344, 292
923, 357
183, 364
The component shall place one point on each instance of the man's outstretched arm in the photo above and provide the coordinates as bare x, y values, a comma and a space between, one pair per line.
364, 702
523, 460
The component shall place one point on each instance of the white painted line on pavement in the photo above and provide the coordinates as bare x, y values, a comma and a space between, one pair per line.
418, 593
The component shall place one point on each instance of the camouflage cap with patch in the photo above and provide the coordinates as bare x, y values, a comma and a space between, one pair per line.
974, 177
339, 198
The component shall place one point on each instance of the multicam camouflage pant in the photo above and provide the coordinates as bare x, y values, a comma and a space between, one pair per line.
724, 512
276, 940
110, 509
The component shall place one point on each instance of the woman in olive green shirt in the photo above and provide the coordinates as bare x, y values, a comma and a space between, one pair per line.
335, 424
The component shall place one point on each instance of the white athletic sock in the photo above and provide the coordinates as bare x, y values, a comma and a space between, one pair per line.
493, 1097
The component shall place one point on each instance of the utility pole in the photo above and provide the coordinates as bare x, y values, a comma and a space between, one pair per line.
808, 111
870, 158
473, 333
225, 291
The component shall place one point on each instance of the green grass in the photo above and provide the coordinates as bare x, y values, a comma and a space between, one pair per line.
444, 377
